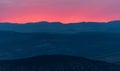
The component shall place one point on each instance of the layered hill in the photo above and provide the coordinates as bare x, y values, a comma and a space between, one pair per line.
94, 40
57, 27
56, 63
93, 45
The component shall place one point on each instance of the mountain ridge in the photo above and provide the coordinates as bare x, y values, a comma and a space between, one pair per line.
57, 22
57, 63
57, 27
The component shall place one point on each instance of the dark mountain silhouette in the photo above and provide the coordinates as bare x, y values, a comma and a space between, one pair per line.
57, 27
92, 40
56, 63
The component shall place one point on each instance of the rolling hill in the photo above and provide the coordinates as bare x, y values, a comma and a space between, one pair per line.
57, 27
92, 45
56, 63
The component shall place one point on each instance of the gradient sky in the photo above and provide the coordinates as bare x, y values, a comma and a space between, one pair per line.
22, 11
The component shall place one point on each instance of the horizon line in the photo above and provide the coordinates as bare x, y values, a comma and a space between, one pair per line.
62, 22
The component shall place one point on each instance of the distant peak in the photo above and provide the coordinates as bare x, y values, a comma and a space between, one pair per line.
114, 21
47, 22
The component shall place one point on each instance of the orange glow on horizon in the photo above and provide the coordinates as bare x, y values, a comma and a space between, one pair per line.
65, 11
62, 20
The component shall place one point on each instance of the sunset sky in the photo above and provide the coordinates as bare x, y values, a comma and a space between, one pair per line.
21, 11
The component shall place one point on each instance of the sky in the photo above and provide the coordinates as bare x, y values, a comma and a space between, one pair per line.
22, 11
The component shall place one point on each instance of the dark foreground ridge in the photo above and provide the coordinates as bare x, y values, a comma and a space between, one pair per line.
56, 63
